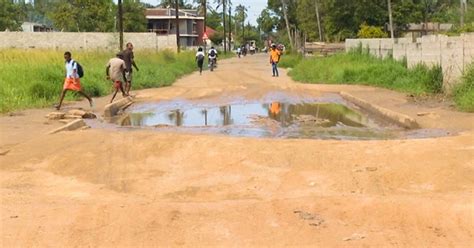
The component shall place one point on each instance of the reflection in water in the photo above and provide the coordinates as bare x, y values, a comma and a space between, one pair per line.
321, 114
275, 119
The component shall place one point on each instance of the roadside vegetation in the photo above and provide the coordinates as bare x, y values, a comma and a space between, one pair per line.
464, 92
290, 60
359, 67
34, 78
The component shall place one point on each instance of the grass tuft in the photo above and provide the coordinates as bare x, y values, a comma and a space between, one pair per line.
464, 92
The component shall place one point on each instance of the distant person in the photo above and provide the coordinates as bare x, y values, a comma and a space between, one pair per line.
115, 71
239, 52
275, 55
200, 59
212, 55
129, 59
72, 81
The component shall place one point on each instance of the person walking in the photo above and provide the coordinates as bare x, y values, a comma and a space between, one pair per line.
115, 71
200, 59
275, 55
129, 59
72, 80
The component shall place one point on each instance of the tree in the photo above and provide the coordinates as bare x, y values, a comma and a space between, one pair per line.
240, 16
182, 4
285, 15
213, 19
224, 4
134, 19
307, 19
83, 15
11, 15
266, 22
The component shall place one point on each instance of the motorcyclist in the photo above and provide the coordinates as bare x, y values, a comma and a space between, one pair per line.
212, 54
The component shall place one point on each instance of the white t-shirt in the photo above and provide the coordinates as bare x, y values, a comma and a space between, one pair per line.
200, 54
215, 51
70, 67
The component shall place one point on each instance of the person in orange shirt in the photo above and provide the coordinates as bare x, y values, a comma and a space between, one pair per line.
274, 59
275, 109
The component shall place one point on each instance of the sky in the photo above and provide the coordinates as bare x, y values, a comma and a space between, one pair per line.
254, 7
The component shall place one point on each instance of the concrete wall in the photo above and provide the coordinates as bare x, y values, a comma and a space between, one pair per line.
453, 54
74, 41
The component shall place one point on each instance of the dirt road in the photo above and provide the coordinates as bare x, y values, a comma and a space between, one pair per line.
107, 188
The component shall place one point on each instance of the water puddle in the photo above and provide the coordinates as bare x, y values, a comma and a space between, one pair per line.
314, 120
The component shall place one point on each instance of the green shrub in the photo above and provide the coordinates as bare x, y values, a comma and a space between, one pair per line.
367, 31
464, 92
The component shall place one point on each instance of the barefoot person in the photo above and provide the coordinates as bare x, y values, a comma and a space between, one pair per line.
274, 59
72, 81
115, 71
129, 59
200, 59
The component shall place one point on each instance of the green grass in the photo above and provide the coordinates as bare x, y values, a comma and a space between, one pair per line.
35, 78
463, 93
290, 60
359, 67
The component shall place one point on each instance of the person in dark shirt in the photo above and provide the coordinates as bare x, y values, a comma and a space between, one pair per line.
128, 57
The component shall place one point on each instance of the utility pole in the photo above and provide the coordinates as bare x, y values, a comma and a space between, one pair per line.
390, 18
223, 23
120, 24
462, 13
319, 21
230, 28
205, 13
176, 7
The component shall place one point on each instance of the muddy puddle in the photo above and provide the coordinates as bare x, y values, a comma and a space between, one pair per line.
322, 118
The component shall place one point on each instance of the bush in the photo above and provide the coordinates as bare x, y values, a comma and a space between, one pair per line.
464, 92
367, 31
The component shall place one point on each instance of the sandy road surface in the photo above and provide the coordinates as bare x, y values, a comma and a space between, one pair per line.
103, 188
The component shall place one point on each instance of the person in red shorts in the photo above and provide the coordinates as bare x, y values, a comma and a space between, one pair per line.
115, 71
72, 81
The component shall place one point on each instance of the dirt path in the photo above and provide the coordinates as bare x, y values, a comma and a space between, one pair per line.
106, 188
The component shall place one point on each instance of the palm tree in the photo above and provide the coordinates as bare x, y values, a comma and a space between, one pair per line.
202, 10
224, 3
241, 15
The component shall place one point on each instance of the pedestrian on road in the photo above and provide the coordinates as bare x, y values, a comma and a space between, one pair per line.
129, 59
72, 81
275, 55
115, 71
200, 59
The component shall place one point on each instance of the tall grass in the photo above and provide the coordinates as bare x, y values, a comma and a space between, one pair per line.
464, 92
359, 67
34, 78
290, 60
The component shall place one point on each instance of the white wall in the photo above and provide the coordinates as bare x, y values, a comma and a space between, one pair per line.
74, 41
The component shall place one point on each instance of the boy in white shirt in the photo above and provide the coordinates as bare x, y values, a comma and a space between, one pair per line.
200, 59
